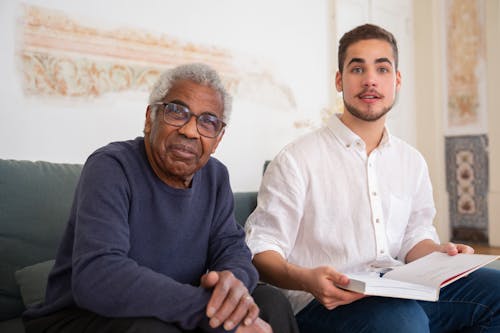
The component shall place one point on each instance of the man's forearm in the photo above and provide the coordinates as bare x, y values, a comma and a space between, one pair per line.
274, 269
421, 249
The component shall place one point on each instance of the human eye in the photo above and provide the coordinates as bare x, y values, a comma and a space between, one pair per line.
384, 69
356, 70
209, 121
176, 111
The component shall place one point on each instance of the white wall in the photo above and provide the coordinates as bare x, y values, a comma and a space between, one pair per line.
430, 83
291, 37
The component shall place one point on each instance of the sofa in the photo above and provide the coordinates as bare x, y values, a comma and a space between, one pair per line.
35, 200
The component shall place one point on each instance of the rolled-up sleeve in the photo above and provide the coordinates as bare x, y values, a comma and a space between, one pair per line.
275, 222
420, 224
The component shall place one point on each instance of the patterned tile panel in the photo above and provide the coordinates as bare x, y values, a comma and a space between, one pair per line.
467, 175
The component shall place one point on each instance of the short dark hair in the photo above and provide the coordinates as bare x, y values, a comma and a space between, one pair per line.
364, 32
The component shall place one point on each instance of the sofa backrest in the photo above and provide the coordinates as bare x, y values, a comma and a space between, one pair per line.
35, 201
244, 205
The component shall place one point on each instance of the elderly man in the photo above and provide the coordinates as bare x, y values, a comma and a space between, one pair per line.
152, 244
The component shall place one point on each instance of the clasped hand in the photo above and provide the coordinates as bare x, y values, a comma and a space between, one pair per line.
231, 304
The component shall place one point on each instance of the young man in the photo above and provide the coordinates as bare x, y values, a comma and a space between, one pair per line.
152, 244
352, 197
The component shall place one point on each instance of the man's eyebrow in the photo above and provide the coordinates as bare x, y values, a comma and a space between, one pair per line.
178, 101
357, 60
381, 60
362, 61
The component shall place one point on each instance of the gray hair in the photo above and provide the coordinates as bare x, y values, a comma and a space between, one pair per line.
196, 72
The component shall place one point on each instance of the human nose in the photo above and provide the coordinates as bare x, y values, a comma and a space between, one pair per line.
369, 79
189, 129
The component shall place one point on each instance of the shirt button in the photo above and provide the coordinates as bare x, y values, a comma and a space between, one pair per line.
374, 193
382, 251
377, 221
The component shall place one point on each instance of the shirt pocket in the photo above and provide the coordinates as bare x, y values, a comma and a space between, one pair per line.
397, 221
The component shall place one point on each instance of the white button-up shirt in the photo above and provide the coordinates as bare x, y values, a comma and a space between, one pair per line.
324, 201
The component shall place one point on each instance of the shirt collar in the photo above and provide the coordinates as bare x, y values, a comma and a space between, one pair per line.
348, 138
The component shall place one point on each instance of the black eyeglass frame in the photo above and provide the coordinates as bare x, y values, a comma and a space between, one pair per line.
190, 115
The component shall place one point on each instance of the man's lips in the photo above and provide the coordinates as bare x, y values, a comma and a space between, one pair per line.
183, 150
369, 96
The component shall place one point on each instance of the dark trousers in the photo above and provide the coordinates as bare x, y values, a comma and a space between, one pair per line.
274, 308
471, 304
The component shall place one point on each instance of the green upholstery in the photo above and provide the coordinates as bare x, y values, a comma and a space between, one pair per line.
244, 204
35, 200
32, 281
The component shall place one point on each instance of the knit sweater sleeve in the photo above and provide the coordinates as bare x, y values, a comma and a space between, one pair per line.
227, 248
105, 279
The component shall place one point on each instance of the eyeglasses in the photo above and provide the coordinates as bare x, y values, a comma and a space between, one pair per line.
207, 124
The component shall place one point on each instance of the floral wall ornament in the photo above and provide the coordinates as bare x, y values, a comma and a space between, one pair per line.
61, 57
50, 75
465, 64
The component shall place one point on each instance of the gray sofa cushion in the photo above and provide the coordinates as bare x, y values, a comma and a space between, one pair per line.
32, 281
35, 200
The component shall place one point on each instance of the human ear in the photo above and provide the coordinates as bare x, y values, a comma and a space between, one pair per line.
338, 81
147, 121
398, 80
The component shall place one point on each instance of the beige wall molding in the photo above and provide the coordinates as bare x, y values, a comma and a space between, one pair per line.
62, 57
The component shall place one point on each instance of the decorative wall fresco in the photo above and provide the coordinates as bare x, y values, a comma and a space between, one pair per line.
466, 144
64, 58
465, 66
467, 184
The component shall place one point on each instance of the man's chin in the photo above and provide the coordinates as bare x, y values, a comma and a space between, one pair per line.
368, 115
181, 167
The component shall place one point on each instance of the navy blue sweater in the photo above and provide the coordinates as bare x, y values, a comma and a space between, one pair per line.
135, 247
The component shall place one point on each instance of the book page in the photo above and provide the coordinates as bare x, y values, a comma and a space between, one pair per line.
439, 269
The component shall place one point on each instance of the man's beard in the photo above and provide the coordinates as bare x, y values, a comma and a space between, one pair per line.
368, 116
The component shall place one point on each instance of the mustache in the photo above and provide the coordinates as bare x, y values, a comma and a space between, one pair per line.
370, 91
186, 146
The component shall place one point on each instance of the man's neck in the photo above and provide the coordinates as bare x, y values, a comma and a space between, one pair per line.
370, 132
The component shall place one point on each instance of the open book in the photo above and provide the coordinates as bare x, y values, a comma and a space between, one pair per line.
421, 279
